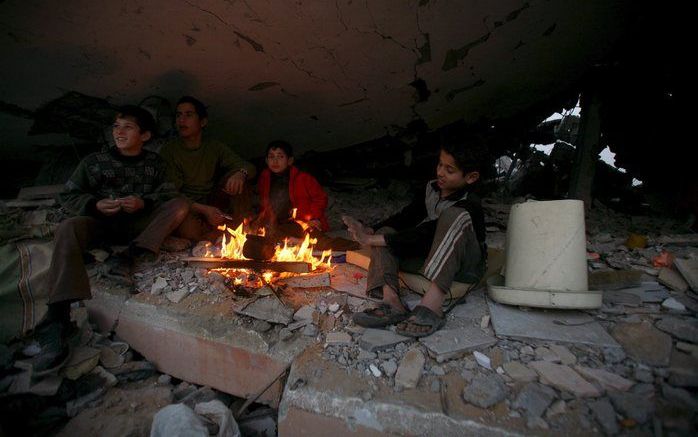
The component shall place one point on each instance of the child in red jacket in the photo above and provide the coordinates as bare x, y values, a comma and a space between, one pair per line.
282, 188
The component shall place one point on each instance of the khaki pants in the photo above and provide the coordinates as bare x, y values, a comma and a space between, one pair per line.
67, 276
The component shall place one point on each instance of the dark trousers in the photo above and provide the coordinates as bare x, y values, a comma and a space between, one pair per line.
67, 276
195, 227
454, 249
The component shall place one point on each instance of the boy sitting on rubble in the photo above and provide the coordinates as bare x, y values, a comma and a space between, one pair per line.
450, 238
121, 196
207, 172
282, 188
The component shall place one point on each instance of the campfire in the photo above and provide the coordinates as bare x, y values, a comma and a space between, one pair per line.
252, 260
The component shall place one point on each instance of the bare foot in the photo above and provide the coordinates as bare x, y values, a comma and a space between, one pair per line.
357, 230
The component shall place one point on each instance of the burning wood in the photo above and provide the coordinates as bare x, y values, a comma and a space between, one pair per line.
227, 263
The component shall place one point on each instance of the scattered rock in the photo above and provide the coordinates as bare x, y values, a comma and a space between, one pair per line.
159, 285
526, 350
537, 422
485, 391
389, 367
534, 399
605, 415
177, 420
109, 358
564, 378
177, 295
304, 313
310, 330
683, 370
410, 369
566, 357
519, 372
451, 343
558, 407
633, 406
374, 370
643, 342
683, 329
482, 360
268, 309
672, 304
609, 381
672, 279
613, 355
680, 397
221, 415
82, 360
379, 339
338, 338
164, 379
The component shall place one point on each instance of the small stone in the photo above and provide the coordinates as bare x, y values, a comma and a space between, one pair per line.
338, 338
533, 399
260, 325
679, 396
438, 371
605, 415
304, 313
389, 367
435, 386
545, 354
110, 358
564, 378
334, 307
410, 369
467, 375
485, 391
310, 330
519, 372
158, 286
672, 304
177, 419
609, 381
482, 360
177, 296
164, 379
285, 334
566, 357
558, 407
633, 406
526, 350
485, 321
537, 422
643, 375
613, 355
374, 370
366, 355
31, 350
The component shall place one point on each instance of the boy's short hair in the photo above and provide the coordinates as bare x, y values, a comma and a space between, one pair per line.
280, 144
199, 107
469, 151
143, 118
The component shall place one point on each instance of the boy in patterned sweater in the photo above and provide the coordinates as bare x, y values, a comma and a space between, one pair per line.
120, 196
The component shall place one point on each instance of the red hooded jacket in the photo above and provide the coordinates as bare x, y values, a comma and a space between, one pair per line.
305, 193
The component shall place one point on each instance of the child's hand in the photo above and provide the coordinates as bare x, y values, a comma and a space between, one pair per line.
235, 183
131, 204
357, 230
108, 206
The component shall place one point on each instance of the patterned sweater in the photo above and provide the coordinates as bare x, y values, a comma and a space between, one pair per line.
112, 175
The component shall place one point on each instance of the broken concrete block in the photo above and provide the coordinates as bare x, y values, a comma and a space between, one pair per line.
447, 344
309, 280
672, 304
566, 357
304, 313
361, 258
158, 286
643, 342
82, 360
483, 360
683, 370
378, 339
608, 380
605, 415
672, 279
564, 378
338, 338
485, 391
519, 372
534, 399
177, 419
268, 309
410, 369
177, 296
633, 406
216, 411
689, 270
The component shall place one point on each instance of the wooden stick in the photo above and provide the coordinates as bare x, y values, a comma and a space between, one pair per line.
225, 263
256, 396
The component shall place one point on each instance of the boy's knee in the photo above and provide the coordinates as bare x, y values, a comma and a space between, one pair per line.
178, 207
70, 225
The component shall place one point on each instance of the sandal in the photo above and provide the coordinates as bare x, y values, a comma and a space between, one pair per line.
379, 317
421, 317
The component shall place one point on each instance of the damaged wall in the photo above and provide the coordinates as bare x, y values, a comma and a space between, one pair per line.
321, 74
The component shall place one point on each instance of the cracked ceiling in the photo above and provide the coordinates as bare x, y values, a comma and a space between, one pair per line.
322, 74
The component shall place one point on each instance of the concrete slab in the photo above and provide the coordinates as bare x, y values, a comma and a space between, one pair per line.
447, 344
549, 325
378, 339
689, 269
322, 398
198, 341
